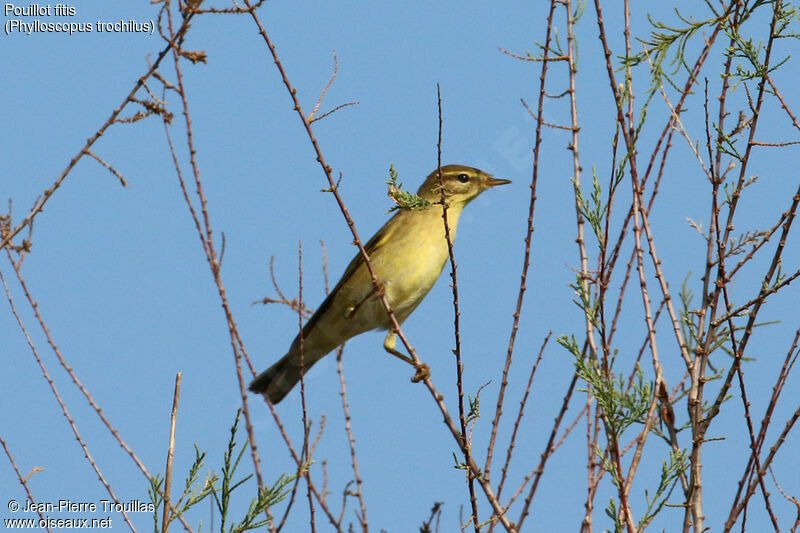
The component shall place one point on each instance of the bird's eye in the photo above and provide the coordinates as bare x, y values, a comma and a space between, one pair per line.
463, 178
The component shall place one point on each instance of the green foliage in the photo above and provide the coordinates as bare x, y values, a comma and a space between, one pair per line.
474, 412
668, 43
787, 13
266, 498
586, 300
670, 471
779, 279
461, 465
403, 200
725, 142
622, 406
593, 209
688, 329
194, 492
750, 52
615, 515
730, 189
691, 332
556, 48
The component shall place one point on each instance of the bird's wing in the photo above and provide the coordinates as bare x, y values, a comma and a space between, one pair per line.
373, 246
381, 237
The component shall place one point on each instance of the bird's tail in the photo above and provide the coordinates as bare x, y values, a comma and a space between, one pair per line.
276, 382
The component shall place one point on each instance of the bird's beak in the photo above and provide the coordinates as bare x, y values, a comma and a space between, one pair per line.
493, 182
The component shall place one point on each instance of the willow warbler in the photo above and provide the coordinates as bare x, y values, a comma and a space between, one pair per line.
407, 254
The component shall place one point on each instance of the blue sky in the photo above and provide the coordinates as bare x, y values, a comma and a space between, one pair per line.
120, 277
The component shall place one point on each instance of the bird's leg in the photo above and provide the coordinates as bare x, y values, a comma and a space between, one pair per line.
388, 345
423, 371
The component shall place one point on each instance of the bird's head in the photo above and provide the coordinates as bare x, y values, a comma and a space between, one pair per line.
461, 184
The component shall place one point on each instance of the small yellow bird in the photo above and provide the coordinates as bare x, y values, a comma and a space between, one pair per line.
407, 254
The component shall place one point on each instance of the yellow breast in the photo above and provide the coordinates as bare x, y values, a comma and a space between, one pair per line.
412, 255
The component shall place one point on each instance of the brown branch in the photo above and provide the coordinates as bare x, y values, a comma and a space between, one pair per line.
520, 414
64, 410
311, 119
306, 454
778, 145
537, 472
351, 441
24, 480
48, 193
467, 444
165, 520
40, 319
111, 169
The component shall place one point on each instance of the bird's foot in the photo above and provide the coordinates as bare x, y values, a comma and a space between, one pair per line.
423, 373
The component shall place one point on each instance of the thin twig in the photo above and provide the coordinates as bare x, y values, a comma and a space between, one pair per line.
520, 414
306, 454
24, 481
466, 447
48, 193
165, 520
59, 400
111, 169
352, 443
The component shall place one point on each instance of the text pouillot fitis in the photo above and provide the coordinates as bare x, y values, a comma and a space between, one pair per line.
31, 19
